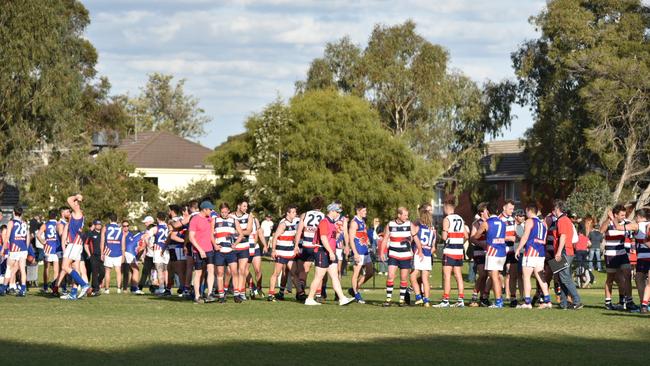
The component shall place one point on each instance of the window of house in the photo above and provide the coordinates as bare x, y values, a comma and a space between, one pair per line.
513, 191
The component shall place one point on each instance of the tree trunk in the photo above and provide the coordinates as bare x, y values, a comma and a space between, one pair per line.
644, 198
629, 159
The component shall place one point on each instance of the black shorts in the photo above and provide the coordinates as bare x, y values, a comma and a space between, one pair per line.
451, 262
210, 258
642, 266
511, 259
257, 253
322, 259
401, 263
617, 262
308, 255
223, 259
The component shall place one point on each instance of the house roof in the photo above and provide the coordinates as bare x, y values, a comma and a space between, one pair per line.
505, 160
165, 150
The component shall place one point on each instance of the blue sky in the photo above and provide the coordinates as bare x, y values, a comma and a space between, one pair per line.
237, 56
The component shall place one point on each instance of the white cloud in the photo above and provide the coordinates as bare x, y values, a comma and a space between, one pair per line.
237, 55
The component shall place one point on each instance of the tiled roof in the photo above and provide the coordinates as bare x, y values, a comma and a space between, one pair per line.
505, 160
164, 150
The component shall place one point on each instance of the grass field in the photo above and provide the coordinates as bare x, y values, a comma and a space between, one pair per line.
126, 329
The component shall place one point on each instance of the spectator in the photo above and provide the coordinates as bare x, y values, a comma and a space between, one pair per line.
563, 246
93, 250
267, 229
377, 231
582, 248
595, 241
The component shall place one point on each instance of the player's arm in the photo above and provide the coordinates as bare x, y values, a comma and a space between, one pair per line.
416, 239
123, 244
477, 235
301, 228
102, 241
73, 202
195, 243
249, 228
86, 245
528, 226
7, 233
353, 232
40, 234
631, 226
260, 236
240, 233
445, 229
605, 224
274, 241
346, 237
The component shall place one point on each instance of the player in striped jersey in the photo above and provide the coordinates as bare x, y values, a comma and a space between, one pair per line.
424, 244
534, 241
161, 253
112, 245
255, 258
242, 248
397, 243
362, 260
481, 288
17, 239
49, 237
495, 253
305, 240
617, 261
283, 249
642, 240
71, 241
511, 266
454, 235
228, 235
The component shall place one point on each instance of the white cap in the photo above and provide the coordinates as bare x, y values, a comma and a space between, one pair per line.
147, 219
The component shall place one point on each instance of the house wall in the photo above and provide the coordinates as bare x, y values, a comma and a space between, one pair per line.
173, 179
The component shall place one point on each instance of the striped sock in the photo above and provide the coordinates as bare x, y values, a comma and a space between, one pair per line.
389, 290
402, 290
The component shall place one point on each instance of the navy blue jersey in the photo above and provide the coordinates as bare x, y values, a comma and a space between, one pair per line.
18, 236
113, 240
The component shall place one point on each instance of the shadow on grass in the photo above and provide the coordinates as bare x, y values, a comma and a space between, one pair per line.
433, 349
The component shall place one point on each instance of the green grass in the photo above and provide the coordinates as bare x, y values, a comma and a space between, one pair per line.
126, 329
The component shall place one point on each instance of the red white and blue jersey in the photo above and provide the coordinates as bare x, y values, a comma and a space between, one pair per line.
132, 241
455, 237
18, 236
496, 237
427, 237
510, 231
75, 228
478, 250
312, 219
180, 233
160, 238
285, 243
615, 241
340, 228
361, 236
643, 242
113, 240
244, 221
52, 239
399, 240
535, 245
224, 232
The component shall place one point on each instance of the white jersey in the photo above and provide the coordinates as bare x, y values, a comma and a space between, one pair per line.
455, 237
312, 219
399, 240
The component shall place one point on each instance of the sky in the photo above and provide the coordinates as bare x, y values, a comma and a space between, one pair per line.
237, 56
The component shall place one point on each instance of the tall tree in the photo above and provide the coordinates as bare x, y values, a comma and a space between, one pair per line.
166, 107
45, 65
585, 78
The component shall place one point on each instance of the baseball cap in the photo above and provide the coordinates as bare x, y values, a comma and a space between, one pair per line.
147, 219
206, 204
97, 222
520, 212
334, 207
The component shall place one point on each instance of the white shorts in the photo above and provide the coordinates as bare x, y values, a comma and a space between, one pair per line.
113, 262
180, 254
130, 258
423, 265
533, 262
73, 251
161, 257
54, 257
364, 259
339, 254
493, 263
16, 256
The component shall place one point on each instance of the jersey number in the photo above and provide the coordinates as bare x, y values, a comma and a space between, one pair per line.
425, 237
540, 231
458, 224
499, 226
310, 220
113, 233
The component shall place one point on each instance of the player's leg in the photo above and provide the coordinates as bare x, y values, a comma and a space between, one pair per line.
390, 281
446, 285
513, 278
334, 272
107, 276
319, 273
543, 286
527, 272
277, 270
243, 270
458, 273
403, 283
257, 268
118, 277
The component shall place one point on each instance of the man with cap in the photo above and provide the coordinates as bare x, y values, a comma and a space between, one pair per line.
203, 247
94, 248
326, 261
